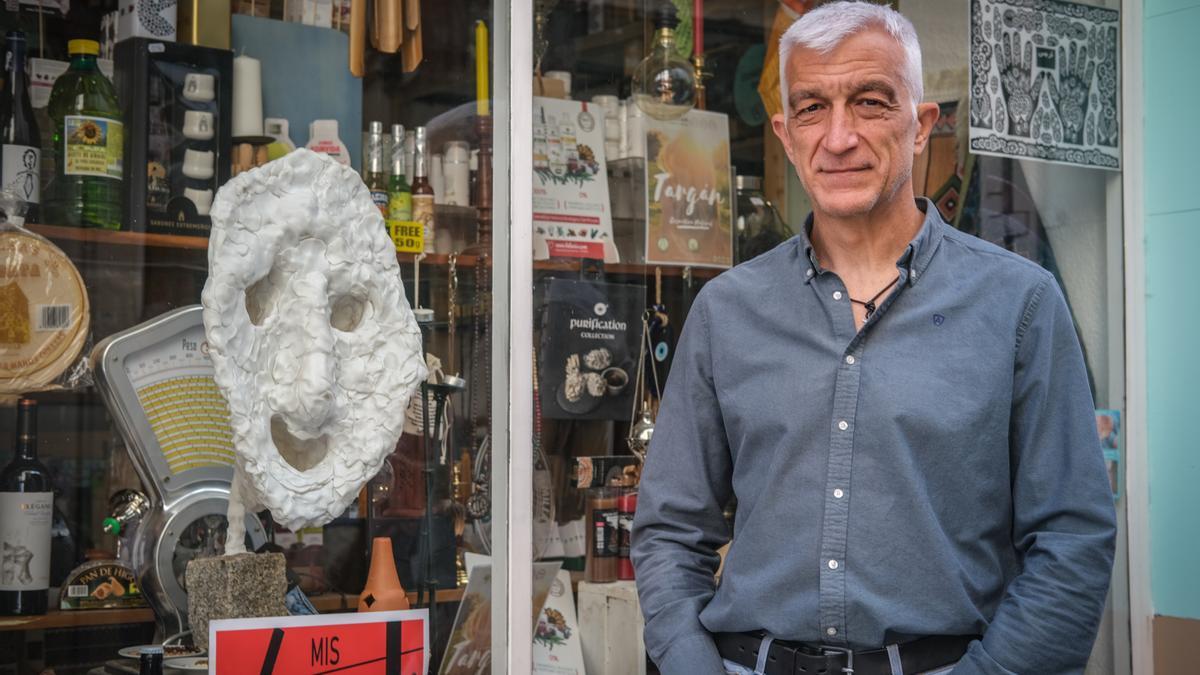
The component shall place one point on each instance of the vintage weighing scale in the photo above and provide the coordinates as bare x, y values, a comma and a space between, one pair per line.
157, 382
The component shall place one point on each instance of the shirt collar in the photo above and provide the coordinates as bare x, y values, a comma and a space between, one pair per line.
916, 256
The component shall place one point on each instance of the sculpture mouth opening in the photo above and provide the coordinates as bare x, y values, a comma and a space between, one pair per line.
302, 454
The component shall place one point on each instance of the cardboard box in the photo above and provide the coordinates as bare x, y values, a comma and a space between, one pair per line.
610, 625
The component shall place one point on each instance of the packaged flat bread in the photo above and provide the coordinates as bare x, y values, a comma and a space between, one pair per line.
43, 312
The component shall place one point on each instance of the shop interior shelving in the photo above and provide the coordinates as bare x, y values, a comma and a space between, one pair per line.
123, 238
55, 618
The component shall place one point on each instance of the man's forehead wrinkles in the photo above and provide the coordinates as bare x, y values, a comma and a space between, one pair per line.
825, 87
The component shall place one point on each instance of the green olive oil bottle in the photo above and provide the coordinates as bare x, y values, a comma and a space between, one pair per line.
89, 144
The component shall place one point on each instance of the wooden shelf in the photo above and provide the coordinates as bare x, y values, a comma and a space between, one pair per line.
119, 238
564, 265
77, 618
464, 261
55, 618
336, 602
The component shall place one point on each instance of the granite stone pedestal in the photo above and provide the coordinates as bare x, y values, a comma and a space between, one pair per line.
238, 586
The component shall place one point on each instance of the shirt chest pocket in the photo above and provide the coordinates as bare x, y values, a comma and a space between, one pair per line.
943, 398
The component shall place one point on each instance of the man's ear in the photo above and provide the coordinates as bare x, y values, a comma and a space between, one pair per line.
927, 116
779, 126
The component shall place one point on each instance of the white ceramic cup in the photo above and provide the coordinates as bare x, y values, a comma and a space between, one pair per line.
197, 125
198, 164
201, 198
199, 87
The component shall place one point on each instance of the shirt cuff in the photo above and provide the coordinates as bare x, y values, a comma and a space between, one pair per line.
692, 656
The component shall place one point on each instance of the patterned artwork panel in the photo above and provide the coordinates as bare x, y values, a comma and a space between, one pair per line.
1045, 82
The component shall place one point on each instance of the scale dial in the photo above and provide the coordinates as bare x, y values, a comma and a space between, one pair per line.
174, 384
157, 379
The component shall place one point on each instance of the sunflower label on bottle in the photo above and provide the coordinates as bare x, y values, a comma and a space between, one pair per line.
93, 146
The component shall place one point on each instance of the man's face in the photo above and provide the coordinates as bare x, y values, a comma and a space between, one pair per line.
850, 130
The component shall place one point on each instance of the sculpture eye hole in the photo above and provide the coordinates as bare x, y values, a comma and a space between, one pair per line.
260, 300
347, 312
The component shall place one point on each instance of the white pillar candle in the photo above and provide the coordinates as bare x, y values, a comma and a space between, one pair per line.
247, 97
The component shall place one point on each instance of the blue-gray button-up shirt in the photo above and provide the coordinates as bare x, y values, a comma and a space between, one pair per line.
937, 472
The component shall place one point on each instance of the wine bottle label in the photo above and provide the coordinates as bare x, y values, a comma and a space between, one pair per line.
25, 535
423, 214
20, 169
93, 146
604, 524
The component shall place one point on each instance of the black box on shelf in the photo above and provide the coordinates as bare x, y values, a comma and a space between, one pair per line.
176, 100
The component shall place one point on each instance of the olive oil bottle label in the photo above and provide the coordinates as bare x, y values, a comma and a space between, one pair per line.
93, 146
25, 531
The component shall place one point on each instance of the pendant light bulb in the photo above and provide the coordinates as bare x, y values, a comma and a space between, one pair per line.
664, 83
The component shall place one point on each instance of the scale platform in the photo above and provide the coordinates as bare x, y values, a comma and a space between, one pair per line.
156, 380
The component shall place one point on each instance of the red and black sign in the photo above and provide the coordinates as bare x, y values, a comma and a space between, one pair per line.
395, 647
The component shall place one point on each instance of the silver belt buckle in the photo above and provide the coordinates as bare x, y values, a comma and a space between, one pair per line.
849, 669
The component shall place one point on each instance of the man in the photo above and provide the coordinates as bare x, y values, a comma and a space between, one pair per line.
901, 410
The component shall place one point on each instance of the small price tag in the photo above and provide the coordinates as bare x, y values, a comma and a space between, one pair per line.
407, 235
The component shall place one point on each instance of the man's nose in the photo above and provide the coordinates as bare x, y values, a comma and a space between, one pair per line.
840, 134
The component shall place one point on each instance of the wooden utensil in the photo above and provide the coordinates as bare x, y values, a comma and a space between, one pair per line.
414, 50
388, 30
358, 36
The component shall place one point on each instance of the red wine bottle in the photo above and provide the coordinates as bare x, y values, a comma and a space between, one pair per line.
20, 142
26, 511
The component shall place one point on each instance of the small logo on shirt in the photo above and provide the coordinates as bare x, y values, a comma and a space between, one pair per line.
938, 319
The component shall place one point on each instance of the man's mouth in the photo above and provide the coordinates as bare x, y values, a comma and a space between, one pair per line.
844, 170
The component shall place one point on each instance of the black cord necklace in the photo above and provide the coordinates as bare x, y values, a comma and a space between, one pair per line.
870, 304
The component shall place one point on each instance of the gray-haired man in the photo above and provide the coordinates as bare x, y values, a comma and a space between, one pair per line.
901, 410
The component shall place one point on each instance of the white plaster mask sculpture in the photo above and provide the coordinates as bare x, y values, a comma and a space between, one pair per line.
313, 343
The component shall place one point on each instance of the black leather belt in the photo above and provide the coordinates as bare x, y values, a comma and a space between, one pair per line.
795, 658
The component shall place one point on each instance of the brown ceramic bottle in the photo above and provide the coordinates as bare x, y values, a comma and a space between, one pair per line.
383, 591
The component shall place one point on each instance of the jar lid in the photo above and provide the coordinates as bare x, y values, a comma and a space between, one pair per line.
748, 183
83, 47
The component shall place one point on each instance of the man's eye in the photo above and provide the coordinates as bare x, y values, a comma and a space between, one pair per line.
872, 107
809, 112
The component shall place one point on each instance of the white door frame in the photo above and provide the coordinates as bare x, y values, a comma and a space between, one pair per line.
1137, 473
512, 339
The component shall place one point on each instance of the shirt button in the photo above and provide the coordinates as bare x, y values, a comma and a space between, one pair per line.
843, 425
831, 631
809, 272
833, 565
837, 295
850, 359
838, 494
914, 275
